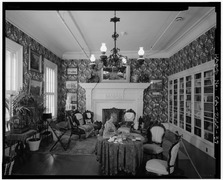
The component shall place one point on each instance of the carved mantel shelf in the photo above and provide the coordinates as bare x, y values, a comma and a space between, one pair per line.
120, 95
114, 85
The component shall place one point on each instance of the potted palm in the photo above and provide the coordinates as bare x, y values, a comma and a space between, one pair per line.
37, 109
27, 111
19, 112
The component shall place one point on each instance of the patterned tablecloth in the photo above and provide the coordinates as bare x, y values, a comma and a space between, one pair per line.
126, 156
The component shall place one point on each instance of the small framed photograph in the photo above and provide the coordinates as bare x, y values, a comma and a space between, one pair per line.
71, 98
35, 87
35, 61
71, 84
156, 85
71, 70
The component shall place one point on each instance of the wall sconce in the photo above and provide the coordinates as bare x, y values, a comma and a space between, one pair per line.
92, 63
141, 54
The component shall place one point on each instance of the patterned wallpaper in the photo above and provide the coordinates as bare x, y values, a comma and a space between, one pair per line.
155, 106
197, 52
27, 42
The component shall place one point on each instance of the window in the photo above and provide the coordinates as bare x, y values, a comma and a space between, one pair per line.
13, 72
50, 86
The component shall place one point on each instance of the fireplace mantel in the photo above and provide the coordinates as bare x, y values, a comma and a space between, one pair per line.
119, 95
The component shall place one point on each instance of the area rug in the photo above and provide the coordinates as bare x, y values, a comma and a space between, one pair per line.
76, 147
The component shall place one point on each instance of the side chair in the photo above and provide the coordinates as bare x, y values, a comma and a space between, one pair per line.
161, 167
155, 135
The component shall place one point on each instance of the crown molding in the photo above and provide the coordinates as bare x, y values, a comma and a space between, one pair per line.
203, 25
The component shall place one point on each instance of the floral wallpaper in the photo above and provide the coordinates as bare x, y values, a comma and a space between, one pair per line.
197, 52
27, 42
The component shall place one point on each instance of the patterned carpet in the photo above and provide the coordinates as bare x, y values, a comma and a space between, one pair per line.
76, 147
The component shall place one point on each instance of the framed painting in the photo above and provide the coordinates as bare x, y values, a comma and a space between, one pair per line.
115, 74
35, 87
71, 84
156, 85
71, 98
35, 61
71, 71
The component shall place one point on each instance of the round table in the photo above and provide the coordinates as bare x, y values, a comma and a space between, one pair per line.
114, 157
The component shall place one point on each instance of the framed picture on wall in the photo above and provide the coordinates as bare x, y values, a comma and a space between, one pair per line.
71, 84
156, 85
35, 87
35, 61
72, 98
71, 70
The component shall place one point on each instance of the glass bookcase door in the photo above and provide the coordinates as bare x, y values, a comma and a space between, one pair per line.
181, 97
197, 104
175, 101
208, 105
188, 103
171, 101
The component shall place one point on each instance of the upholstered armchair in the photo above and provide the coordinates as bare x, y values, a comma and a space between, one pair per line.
88, 119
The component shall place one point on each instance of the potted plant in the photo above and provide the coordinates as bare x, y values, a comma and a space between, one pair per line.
19, 112
37, 109
27, 111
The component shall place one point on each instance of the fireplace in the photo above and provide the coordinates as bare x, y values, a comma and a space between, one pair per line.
106, 114
101, 96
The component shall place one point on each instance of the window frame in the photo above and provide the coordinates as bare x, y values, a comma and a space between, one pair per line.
17, 49
53, 66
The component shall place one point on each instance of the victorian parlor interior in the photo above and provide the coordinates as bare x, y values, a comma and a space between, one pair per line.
126, 92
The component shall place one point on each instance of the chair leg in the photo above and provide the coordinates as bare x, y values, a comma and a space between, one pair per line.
54, 145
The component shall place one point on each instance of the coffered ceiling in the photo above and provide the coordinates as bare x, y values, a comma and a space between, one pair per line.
78, 33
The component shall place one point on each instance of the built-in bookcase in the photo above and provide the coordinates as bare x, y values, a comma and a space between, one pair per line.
191, 105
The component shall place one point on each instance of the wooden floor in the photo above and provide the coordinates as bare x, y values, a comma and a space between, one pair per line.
50, 165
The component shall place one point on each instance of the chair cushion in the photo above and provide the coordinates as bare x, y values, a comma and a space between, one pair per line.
157, 166
152, 149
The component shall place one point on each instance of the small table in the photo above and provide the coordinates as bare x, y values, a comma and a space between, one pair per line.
20, 137
115, 157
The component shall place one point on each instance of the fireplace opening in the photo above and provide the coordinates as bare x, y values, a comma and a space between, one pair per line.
106, 114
